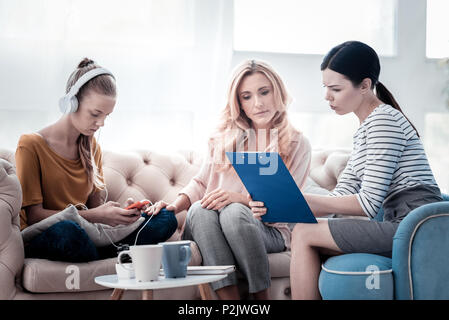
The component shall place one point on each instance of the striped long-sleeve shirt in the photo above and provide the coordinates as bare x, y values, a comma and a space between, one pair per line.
387, 157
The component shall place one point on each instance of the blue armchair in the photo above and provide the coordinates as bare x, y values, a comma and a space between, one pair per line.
418, 269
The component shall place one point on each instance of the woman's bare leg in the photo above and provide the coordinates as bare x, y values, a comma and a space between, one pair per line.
308, 240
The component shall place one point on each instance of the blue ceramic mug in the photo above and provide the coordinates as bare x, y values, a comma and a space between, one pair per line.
175, 258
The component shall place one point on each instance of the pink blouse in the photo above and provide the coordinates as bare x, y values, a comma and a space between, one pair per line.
208, 179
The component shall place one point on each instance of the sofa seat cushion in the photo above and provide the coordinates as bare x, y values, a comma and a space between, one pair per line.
363, 277
41, 275
279, 264
45, 276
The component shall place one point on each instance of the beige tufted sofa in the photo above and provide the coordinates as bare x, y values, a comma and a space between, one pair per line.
140, 174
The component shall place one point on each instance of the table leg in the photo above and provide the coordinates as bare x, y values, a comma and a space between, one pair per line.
147, 295
117, 294
205, 291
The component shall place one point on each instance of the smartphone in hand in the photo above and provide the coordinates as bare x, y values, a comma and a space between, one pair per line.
137, 205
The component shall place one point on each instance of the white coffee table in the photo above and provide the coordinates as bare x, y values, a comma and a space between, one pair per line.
120, 285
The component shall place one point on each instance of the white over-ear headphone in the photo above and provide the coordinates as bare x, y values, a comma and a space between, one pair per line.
69, 102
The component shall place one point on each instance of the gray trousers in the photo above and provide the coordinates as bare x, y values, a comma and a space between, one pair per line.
232, 236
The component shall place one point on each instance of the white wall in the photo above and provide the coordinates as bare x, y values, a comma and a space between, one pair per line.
162, 86
416, 82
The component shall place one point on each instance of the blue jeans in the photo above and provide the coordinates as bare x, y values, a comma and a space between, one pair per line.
67, 241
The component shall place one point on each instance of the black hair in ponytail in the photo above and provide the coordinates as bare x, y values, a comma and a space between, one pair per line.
357, 61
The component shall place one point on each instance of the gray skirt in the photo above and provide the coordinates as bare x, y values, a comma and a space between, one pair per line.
371, 236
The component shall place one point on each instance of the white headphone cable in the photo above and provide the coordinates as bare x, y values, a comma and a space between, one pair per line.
138, 233
84, 207
151, 217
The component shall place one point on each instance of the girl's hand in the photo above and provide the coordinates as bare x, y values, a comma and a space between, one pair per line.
111, 214
158, 206
219, 198
257, 207
131, 201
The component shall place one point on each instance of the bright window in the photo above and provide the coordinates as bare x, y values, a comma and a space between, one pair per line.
313, 27
167, 23
437, 28
435, 143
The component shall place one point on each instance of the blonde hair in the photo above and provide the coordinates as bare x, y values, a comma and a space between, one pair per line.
234, 128
103, 84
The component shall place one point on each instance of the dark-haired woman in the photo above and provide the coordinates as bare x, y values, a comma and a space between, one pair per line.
61, 165
387, 169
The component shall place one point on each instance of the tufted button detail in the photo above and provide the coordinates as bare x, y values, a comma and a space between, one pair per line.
129, 182
146, 161
287, 291
172, 182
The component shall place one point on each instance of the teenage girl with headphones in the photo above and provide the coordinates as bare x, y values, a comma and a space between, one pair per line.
62, 164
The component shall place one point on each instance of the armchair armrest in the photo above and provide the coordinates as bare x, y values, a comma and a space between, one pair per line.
11, 244
420, 256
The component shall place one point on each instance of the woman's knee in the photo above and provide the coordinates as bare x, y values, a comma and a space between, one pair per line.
236, 217
197, 212
170, 221
298, 233
163, 226
66, 231
309, 233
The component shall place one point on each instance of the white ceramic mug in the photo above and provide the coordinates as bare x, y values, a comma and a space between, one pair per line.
146, 261
124, 271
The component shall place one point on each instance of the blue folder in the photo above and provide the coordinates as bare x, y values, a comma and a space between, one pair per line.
267, 179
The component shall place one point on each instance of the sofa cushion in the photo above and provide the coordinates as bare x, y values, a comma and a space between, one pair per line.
327, 165
312, 187
150, 175
41, 275
279, 264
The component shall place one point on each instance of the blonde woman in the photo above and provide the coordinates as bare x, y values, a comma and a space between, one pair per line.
62, 164
219, 219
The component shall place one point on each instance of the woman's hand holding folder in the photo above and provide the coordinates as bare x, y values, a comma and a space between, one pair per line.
257, 207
